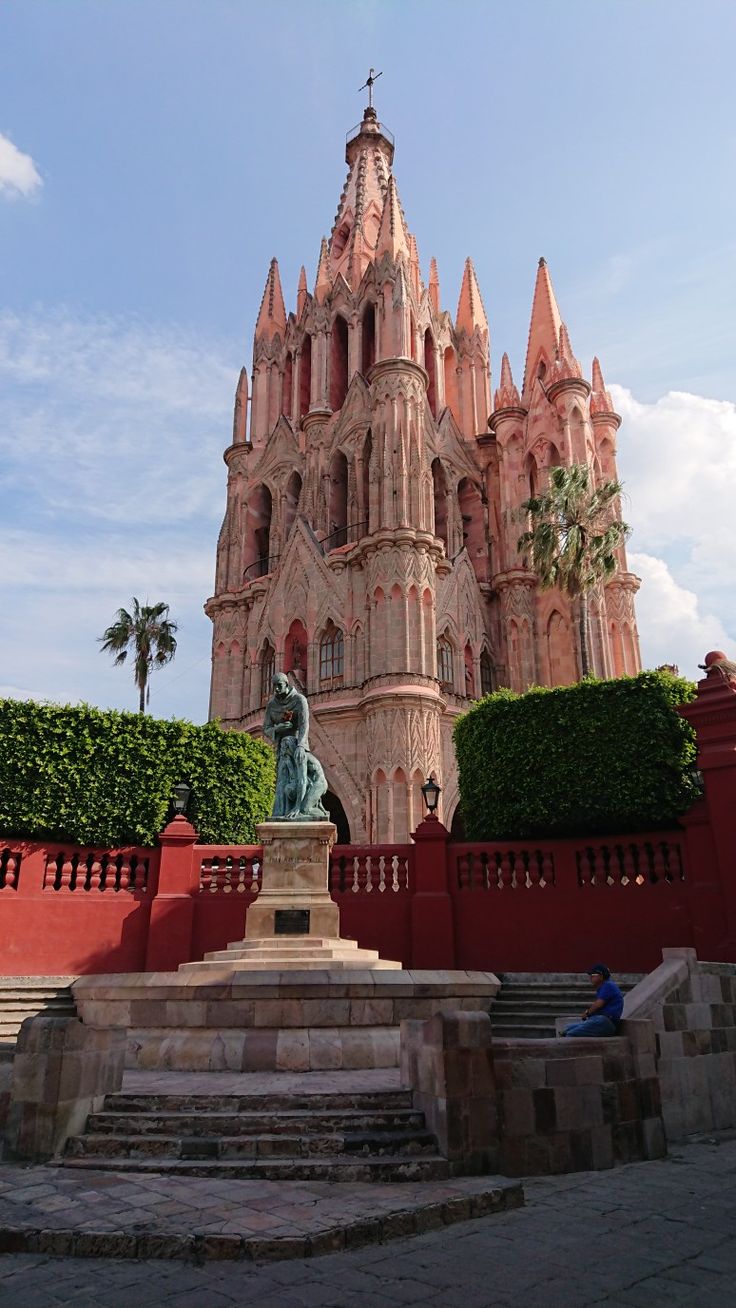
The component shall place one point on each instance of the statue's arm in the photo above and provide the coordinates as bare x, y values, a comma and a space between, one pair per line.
269, 725
302, 726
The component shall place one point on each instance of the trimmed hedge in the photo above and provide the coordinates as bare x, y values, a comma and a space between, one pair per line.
105, 778
597, 757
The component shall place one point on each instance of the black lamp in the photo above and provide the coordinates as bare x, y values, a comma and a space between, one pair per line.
181, 798
431, 792
698, 780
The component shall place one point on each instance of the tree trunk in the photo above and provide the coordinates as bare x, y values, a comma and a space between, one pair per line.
142, 698
584, 635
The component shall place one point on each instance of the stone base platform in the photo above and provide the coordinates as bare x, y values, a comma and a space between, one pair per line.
323, 953
233, 1019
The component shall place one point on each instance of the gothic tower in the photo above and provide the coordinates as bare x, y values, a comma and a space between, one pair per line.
369, 541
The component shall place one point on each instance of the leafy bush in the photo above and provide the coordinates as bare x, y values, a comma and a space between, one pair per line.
105, 778
599, 756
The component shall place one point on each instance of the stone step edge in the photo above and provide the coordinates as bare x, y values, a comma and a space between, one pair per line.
501, 1195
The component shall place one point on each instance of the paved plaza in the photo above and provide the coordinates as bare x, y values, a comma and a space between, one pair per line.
641, 1235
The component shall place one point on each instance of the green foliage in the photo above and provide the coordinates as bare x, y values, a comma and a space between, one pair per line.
105, 778
600, 756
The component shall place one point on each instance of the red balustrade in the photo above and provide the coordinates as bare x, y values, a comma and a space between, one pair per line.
532, 905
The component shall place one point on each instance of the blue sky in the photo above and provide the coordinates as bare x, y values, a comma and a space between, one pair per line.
166, 149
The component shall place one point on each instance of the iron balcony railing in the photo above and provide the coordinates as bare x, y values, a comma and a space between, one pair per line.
347, 535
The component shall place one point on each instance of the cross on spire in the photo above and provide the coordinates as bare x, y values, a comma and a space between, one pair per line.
372, 77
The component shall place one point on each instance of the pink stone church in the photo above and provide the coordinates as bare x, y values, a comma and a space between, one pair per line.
369, 546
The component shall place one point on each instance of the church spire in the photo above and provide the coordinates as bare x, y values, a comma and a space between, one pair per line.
272, 313
302, 292
470, 311
566, 365
240, 415
323, 284
600, 400
434, 286
393, 237
544, 329
507, 395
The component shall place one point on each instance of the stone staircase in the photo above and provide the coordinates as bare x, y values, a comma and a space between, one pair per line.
368, 1136
25, 996
528, 1003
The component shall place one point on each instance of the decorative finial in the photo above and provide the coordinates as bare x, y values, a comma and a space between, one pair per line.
542, 262
372, 77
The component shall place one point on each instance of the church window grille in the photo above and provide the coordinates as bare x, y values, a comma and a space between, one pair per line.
331, 657
486, 674
268, 668
445, 669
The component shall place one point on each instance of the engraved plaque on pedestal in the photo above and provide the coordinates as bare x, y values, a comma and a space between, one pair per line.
291, 922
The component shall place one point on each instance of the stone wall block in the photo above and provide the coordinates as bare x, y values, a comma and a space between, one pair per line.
628, 1141
589, 1070
578, 1107
562, 1071
670, 1044
61, 1073
602, 1147
722, 1089
516, 1111
448, 1060
545, 1110
653, 1137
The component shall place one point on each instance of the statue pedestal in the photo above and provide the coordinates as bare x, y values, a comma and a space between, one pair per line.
294, 899
293, 923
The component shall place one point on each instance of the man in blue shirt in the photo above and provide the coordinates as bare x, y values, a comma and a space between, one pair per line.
602, 1017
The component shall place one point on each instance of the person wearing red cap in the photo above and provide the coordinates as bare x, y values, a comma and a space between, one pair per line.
603, 1015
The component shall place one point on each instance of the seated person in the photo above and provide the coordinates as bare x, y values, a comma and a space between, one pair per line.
602, 1017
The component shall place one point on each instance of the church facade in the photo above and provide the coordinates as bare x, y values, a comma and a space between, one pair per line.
369, 545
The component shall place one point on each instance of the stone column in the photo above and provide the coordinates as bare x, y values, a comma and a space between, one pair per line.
172, 911
432, 921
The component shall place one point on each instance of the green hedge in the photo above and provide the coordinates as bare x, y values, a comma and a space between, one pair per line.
599, 756
105, 778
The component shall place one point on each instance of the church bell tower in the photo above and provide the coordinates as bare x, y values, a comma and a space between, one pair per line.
368, 547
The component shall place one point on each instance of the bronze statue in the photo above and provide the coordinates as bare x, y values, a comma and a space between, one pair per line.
300, 778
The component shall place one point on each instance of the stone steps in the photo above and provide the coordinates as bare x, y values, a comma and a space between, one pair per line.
247, 1123
528, 1004
22, 997
328, 962
194, 1104
334, 1168
253, 1145
355, 1137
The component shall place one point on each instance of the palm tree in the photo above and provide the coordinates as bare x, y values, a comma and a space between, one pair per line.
149, 634
573, 537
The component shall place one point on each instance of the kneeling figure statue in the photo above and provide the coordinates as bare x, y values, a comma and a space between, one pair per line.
300, 778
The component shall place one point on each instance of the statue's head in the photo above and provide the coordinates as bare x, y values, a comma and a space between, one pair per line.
281, 686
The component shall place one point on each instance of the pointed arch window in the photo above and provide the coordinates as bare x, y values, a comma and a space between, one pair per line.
331, 657
368, 342
305, 375
268, 668
338, 363
486, 674
430, 365
445, 663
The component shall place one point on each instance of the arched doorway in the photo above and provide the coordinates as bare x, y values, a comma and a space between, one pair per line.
338, 816
457, 830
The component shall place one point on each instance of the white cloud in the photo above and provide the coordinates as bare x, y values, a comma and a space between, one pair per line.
18, 173
672, 627
124, 418
677, 460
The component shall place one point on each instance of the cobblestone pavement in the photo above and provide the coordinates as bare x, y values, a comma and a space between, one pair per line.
639, 1236
111, 1214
